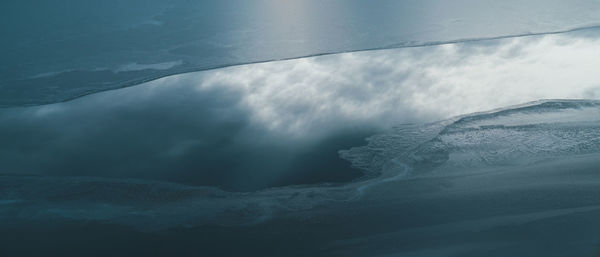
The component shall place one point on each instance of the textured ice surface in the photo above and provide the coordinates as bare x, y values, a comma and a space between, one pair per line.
519, 136
53, 51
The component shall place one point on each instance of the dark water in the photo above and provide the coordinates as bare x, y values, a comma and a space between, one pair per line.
507, 186
171, 133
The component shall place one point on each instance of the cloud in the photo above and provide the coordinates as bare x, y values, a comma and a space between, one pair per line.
297, 97
260, 125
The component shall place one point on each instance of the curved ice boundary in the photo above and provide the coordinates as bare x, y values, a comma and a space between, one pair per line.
514, 136
481, 142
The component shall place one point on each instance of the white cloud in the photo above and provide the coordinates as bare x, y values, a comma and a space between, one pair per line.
413, 84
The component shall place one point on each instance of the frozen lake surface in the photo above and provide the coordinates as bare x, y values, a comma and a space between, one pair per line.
458, 136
